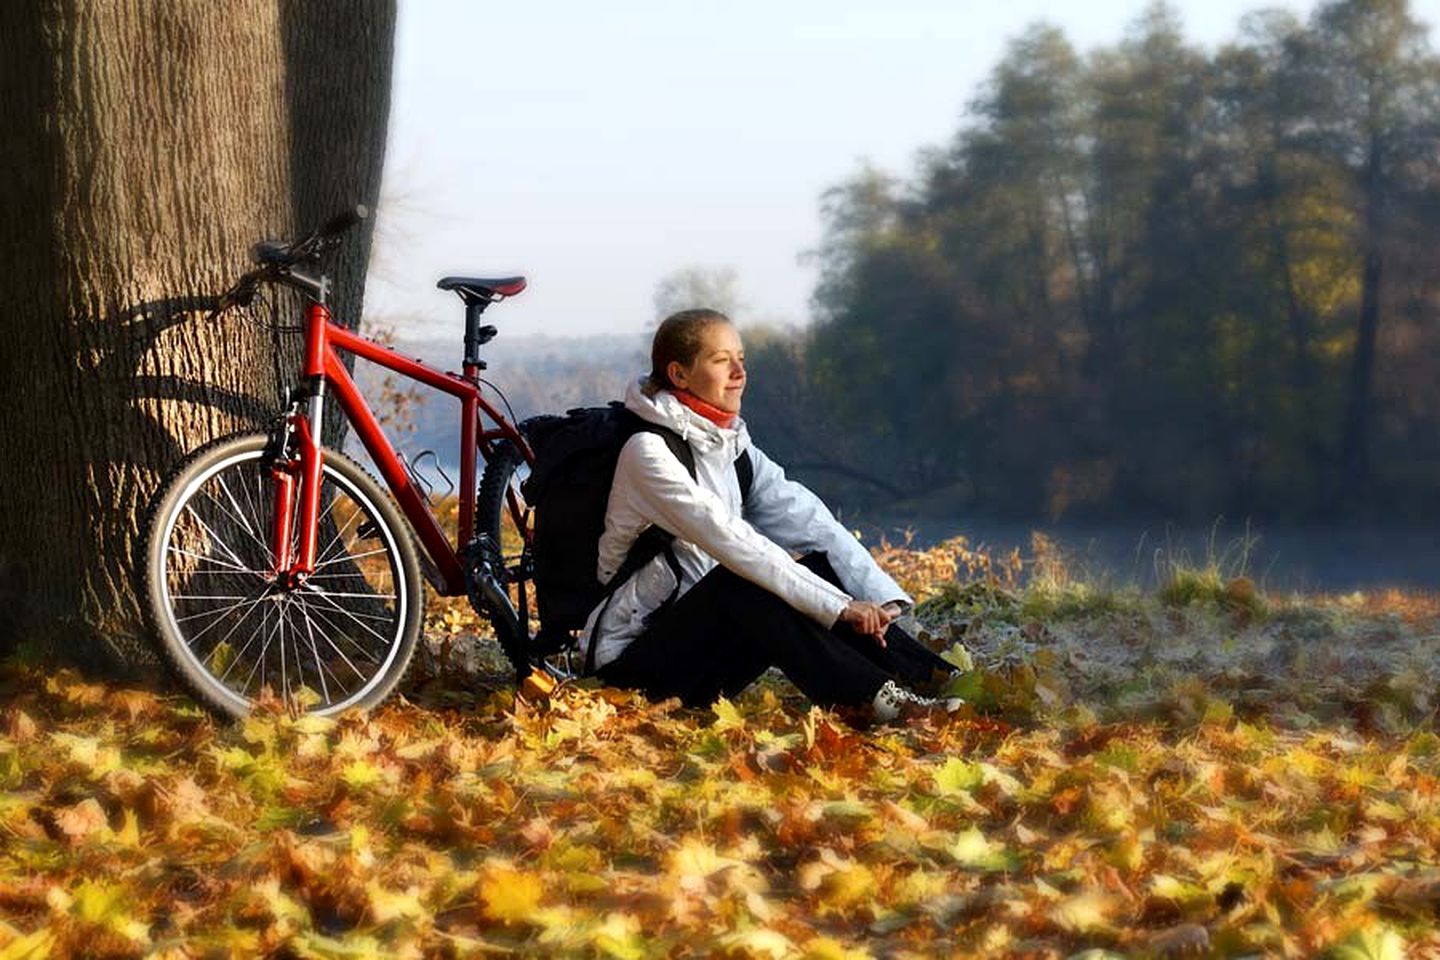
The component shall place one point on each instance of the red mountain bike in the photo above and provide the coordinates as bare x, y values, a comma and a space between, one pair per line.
276, 566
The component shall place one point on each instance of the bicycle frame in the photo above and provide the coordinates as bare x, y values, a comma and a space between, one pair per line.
326, 373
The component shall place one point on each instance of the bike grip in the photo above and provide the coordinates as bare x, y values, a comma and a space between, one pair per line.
344, 220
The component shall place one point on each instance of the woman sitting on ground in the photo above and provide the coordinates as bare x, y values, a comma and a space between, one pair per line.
743, 603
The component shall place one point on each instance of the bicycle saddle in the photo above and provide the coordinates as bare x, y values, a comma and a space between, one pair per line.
482, 289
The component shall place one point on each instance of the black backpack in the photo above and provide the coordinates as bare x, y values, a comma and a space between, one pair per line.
569, 489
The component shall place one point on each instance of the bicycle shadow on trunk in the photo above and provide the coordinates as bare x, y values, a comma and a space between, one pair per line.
167, 385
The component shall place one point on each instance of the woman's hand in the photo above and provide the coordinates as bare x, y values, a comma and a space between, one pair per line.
868, 618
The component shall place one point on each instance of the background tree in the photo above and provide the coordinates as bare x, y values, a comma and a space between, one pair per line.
1008, 205
1376, 90
695, 286
147, 147
1154, 281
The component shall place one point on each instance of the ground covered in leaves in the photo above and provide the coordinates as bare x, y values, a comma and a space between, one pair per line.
1202, 772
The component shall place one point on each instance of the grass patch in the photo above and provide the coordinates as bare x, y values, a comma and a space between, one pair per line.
1077, 601
1187, 587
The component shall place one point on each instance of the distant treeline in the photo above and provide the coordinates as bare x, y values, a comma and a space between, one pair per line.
1154, 279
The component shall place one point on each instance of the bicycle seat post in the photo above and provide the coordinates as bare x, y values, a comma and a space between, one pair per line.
473, 340
477, 293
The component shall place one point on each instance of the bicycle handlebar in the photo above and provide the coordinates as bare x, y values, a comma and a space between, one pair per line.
313, 244
344, 220
277, 259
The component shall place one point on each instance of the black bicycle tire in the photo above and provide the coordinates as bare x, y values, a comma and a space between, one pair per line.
181, 667
490, 508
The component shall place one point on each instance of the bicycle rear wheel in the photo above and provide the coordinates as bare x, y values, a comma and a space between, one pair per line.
502, 544
233, 633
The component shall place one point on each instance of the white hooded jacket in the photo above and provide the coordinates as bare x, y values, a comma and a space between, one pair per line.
781, 518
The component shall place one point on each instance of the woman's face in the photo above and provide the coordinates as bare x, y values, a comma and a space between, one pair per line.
718, 374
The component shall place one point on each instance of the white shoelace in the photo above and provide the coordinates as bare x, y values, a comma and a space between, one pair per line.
891, 698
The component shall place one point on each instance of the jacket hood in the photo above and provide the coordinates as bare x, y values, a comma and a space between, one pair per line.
663, 409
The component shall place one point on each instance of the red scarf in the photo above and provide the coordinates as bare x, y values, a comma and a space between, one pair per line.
721, 418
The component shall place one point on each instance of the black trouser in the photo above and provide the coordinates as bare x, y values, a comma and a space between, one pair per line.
726, 631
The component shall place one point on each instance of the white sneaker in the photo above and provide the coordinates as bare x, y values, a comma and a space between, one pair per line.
892, 701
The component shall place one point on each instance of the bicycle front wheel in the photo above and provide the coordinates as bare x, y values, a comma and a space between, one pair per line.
233, 632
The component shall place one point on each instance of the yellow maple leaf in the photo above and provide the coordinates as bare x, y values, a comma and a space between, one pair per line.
973, 850
959, 776
509, 895
105, 904
824, 948
694, 858
360, 774
32, 946
620, 937
727, 717
1378, 943
387, 905
757, 943
848, 887
1082, 913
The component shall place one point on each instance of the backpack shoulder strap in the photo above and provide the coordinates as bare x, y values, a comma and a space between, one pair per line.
744, 466
673, 440
745, 473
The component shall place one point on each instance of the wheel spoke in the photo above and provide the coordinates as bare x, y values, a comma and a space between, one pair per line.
339, 609
364, 596
333, 646
227, 573
320, 625
249, 610
248, 642
295, 646
219, 611
351, 557
238, 514
203, 558
339, 629
284, 666
259, 511
215, 537
381, 617
325, 552
315, 652
260, 659
204, 596
331, 576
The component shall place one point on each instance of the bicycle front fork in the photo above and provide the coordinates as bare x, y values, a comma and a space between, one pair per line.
295, 465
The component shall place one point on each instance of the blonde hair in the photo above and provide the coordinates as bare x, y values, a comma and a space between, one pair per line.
678, 340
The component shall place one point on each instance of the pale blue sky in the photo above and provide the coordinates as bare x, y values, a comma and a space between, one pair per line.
597, 147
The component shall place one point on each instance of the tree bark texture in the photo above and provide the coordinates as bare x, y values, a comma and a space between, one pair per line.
147, 146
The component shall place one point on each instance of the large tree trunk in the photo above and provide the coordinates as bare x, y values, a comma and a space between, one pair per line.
147, 146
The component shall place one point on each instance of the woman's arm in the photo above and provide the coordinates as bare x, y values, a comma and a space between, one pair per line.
660, 489
790, 514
